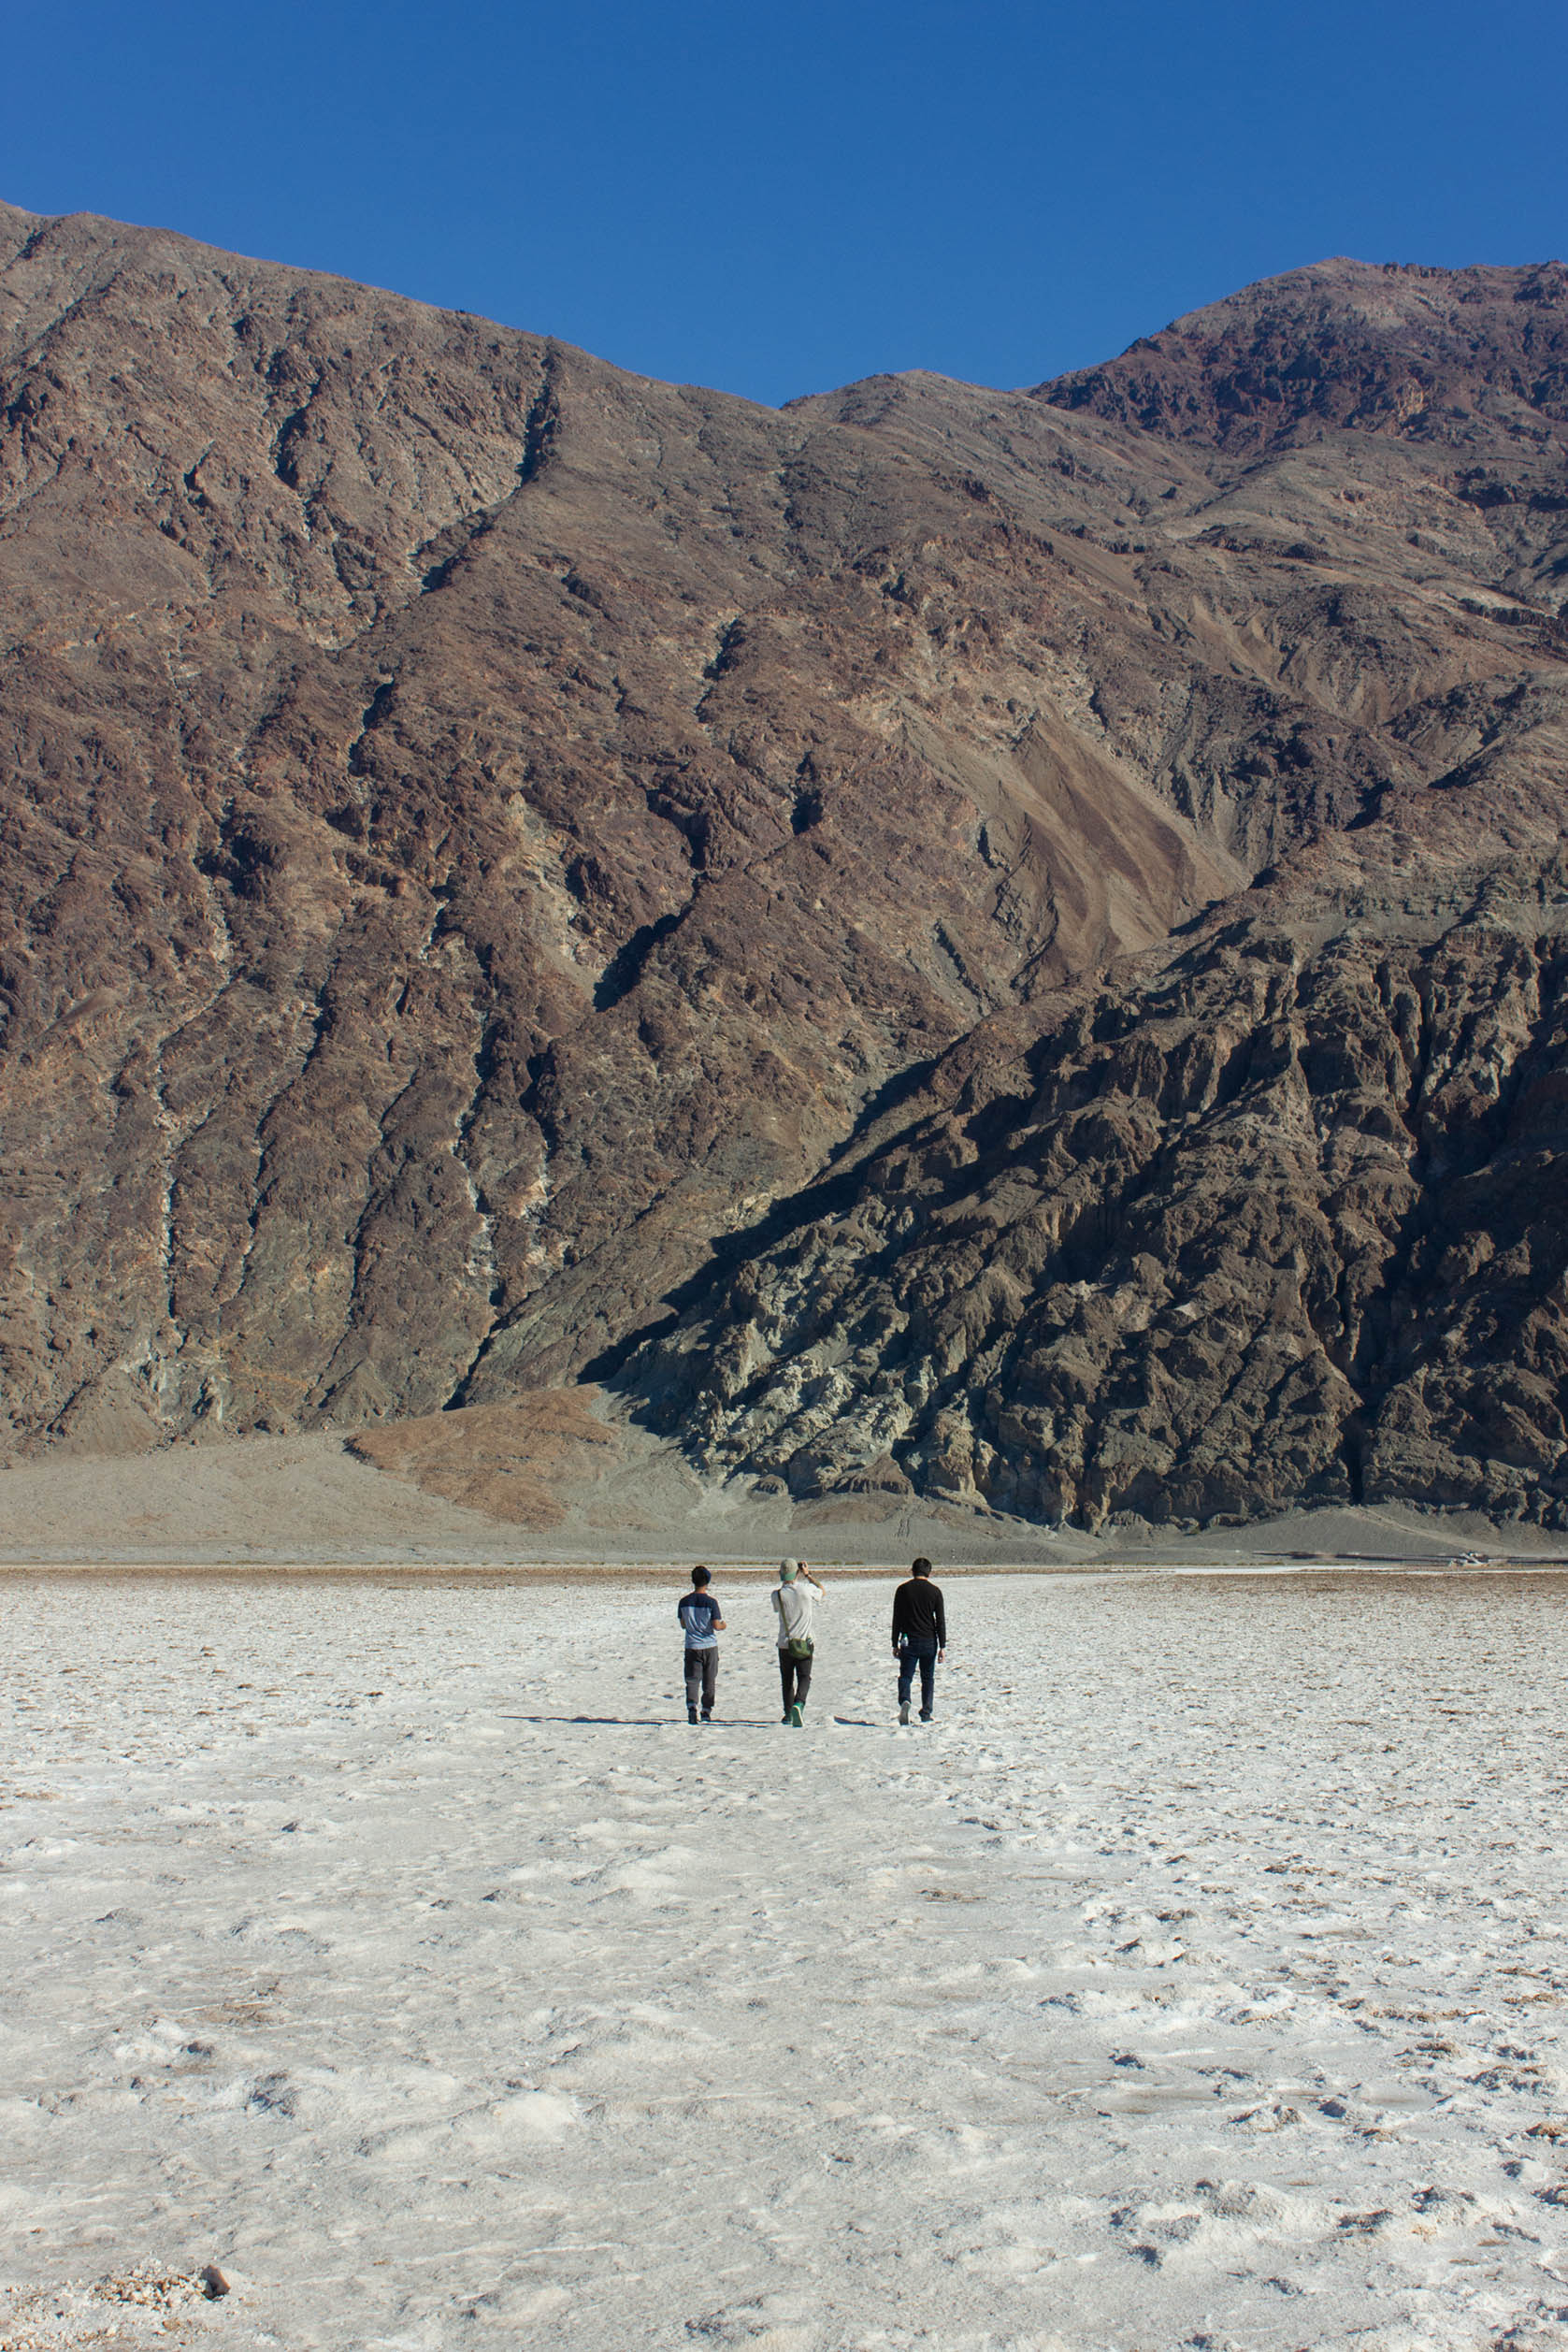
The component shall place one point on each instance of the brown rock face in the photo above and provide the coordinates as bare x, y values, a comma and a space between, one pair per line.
1273, 1220
486, 839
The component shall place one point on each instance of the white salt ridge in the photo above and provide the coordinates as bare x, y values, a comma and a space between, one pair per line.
1197, 1981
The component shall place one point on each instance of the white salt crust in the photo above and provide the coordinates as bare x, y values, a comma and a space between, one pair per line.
1197, 1981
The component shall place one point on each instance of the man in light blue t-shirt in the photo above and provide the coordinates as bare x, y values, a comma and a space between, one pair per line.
699, 1613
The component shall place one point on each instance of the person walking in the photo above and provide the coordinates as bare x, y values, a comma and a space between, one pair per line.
919, 1637
796, 1610
699, 1613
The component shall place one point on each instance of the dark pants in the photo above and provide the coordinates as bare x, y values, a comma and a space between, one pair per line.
796, 1676
924, 1655
702, 1678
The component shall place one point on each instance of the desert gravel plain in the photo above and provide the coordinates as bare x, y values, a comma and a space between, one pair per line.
1198, 1980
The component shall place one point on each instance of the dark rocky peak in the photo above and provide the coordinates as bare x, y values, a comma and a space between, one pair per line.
1385, 348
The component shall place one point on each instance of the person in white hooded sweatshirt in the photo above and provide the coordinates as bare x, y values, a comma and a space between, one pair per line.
796, 1610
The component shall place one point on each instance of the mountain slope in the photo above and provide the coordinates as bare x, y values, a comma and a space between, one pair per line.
483, 832
1276, 1219
1280, 1216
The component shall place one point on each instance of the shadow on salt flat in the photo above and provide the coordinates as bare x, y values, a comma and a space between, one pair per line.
1148, 2097
673, 1722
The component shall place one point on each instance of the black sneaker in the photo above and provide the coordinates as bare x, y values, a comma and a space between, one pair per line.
903, 1713
706, 1716
691, 1714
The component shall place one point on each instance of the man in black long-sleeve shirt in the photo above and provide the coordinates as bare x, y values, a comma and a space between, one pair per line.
919, 1637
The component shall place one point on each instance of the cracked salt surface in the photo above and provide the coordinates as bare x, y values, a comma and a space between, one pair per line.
1197, 1981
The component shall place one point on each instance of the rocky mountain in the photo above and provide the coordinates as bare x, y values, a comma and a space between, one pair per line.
1005, 945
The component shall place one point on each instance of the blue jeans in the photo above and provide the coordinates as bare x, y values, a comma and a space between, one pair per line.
924, 1655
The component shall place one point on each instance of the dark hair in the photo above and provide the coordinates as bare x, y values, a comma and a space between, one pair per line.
700, 1574
921, 1566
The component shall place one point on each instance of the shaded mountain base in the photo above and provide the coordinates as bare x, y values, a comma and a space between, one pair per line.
625, 1503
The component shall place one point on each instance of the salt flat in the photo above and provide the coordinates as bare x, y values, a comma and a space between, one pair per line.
1198, 1980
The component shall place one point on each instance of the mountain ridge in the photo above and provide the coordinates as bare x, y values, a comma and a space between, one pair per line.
484, 830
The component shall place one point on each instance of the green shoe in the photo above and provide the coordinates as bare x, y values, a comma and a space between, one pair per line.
795, 1716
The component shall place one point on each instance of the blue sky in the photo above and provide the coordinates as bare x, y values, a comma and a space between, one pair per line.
779, 195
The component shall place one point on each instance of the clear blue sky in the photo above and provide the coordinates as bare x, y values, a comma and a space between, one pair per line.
779, 195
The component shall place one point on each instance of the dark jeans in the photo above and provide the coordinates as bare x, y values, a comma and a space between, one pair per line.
702, 1678
796, 1676
924, 1655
